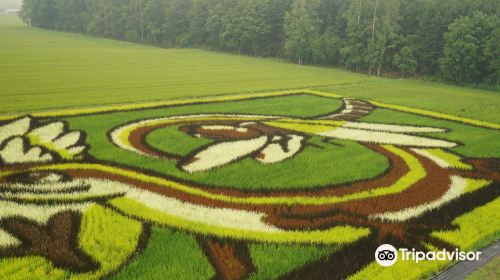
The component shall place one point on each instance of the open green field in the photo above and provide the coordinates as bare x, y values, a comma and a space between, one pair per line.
42, 66
39, 65
490, 271
121, 161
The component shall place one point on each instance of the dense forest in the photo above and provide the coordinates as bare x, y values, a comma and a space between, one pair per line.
454, 40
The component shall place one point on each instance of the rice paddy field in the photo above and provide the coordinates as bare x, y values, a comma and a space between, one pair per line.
122, 161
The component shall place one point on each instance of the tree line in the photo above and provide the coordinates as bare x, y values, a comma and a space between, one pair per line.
456, 40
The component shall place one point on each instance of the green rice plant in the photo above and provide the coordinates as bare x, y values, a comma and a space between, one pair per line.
102, 236
476, 228
336, 235
458, 101
29, 268
302, 224
476, 142
436, 115
171, 140
474, 185
247, 174
454, 160
169, 254
82, 71
401, 270
274, 260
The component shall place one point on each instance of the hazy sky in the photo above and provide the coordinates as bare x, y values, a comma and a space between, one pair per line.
10, 4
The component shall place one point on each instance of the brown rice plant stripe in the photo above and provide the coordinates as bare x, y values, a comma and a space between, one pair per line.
155, 188
355, 256
350, 259
397, 169
230, 259
432, 187
137, 139
223, 134
392, 176
483, 168
389, 178
56, 241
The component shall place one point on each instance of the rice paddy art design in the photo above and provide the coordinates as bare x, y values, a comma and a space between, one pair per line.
52, 188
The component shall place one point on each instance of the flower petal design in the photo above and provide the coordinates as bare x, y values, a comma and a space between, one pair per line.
58, 139
274, 152
67, 140
16, 128
75, 151
22, 140
14, 152
222, 153
47, 133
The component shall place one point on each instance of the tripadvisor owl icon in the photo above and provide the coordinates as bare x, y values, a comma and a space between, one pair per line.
386, 255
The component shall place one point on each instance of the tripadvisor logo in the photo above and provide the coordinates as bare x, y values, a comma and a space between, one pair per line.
387, 255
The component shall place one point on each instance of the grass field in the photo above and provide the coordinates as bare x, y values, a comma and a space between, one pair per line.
121, 161
81, 71
490, 271
40, 65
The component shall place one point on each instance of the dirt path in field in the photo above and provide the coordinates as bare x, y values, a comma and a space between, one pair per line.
464, 268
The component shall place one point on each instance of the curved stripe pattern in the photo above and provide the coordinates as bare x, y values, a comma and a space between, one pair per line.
416, 173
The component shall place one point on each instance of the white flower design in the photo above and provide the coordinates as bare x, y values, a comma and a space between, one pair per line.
16, 150
235, 142
25, 141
